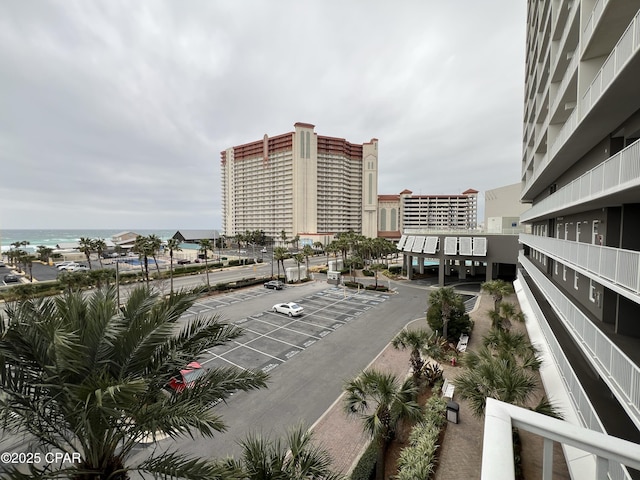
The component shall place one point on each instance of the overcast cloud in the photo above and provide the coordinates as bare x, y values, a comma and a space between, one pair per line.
113, 113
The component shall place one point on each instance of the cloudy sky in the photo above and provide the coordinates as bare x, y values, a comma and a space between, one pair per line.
113, 113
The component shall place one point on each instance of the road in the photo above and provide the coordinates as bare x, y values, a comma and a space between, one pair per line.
305, 386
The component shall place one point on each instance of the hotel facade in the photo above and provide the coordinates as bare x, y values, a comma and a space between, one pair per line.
579, 274
303, 183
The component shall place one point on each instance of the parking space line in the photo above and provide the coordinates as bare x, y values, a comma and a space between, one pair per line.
266, 335
284, 327
204, 362
259, 351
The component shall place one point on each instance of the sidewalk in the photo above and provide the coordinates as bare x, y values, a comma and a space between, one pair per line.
461, 450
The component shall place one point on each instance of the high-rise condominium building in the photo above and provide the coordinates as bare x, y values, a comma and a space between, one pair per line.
580, 266
300, 182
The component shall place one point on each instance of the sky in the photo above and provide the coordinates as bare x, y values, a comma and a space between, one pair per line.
113, 113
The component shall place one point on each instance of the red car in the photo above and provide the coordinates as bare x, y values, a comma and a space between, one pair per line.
187, 377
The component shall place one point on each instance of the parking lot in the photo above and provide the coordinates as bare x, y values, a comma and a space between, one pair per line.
270, 339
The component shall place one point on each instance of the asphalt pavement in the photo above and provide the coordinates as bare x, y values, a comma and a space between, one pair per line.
302, 388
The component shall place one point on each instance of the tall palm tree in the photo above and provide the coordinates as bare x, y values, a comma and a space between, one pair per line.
173, 244
44, 253
283, 237
498, 289
86, 247
99, 245
142, 247
155, 243
297, 458
205, 247
299, 258
381, 401
280, 254
307, 251
416, 341
79, 374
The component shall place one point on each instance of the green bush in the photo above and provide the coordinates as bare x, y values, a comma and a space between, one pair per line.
380, 288
366, 464
395, 269
418, 460
234, 263
368, 273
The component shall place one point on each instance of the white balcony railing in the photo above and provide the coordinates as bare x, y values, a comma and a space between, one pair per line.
592, 22
621, 171
497, 450
624, 50
616, 369
605, 264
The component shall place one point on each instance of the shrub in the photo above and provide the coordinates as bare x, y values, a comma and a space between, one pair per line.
368, 273
366, 463
395, 269
380, 288
418, 460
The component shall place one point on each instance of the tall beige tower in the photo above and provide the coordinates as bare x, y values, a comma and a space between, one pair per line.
370, 188
301, 183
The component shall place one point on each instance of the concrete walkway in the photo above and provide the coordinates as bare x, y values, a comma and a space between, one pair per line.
461, 451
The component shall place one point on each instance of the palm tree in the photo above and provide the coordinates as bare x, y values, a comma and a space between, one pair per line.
296, 458
86, 247
44, 253
205, 246
307, 251
155, 244
283, 237
299, 258
497, 289
414, 340
142, 247
446, 312
504, 369
296, 241
280, 254
173, 244
381, 401
505, 315
99, 245
81, 375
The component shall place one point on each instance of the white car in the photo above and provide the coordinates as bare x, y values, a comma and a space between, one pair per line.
77, 268
291, 309
66, 264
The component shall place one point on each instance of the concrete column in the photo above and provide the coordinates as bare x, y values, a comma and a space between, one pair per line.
462, 270
421, 264
473, 267
489, 274
441, 268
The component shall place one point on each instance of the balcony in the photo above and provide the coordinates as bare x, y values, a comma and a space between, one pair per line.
615, 268
613, 176
615, 368
497, 452
600, 110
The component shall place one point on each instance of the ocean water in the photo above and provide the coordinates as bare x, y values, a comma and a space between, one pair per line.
50, 238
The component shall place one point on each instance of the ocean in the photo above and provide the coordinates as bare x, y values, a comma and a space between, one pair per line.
50, 238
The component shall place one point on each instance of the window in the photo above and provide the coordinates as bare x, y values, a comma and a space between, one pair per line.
564, 273
566, 231
575, 280
578, 231
555, 267
596, 239
592, 290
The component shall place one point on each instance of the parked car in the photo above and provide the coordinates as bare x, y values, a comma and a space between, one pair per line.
67, 265
183, 261
186, 377
63, 265
11, 278
292, 309
264, 250
77, 268
274, 284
